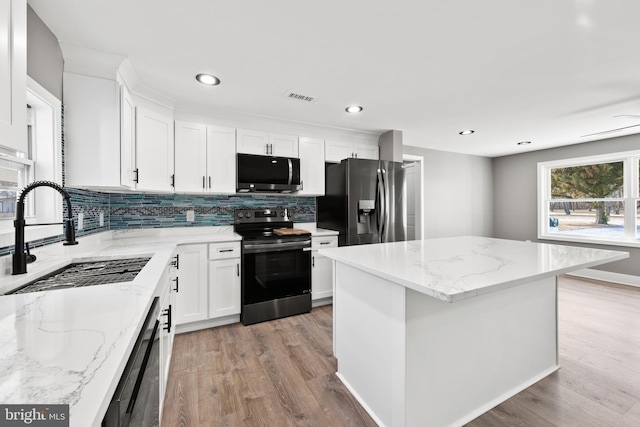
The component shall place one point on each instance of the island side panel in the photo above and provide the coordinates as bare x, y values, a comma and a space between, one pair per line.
466, 357
369, 337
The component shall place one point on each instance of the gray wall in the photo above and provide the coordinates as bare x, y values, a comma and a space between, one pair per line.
458, 193
515, 193
44, 56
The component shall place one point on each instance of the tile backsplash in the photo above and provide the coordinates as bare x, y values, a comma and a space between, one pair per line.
156, 211
138, 210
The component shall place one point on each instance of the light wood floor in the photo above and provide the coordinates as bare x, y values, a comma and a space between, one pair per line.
281, 373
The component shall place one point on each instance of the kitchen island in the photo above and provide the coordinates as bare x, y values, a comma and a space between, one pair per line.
437, 332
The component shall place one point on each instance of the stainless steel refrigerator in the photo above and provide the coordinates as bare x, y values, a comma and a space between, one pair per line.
364, 201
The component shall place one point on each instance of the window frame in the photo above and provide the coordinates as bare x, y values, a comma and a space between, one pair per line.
631, 197
42, 206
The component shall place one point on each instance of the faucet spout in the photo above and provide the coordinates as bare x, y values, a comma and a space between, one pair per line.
20, 257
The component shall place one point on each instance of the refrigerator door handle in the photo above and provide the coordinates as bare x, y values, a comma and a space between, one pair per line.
382, 205
387, 204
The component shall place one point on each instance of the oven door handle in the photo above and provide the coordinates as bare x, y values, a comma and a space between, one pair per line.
276, 247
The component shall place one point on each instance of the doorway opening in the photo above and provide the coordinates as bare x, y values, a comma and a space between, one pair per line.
414, 179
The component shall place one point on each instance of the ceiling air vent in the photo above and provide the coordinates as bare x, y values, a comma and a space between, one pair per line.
298, 97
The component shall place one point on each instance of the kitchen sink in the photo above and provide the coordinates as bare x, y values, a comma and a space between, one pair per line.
82, 274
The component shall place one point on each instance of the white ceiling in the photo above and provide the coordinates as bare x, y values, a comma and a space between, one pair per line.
547, 71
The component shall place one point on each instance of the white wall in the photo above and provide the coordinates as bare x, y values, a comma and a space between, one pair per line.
458, 193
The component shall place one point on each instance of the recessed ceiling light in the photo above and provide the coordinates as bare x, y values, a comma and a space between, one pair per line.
524, 142
467, 132
208, 79
353, 109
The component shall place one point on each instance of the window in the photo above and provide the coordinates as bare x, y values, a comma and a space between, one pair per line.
15, 173
42, 162
591, 199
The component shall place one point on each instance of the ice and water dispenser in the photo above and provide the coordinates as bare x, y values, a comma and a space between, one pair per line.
367, 217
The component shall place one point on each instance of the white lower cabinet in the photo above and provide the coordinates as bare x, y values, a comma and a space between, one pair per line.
224, 287
192, 297
224, 279
321, 268
167, 328
208, 283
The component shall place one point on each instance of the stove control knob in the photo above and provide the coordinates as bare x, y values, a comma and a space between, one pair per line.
282, 214
240, 215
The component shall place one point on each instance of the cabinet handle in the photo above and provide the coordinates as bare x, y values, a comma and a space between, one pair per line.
313, 261
225, 250
203, 182
209, 182
238, 270
176, 262
325, 243
173, 180
137, 177
167, 324
176, 288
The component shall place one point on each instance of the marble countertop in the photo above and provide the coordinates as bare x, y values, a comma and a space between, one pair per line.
453, 269
71, 346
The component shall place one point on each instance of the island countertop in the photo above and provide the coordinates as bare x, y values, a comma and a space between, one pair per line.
457, 268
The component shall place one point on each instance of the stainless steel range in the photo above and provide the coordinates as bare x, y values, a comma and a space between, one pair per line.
276, 265
87, 274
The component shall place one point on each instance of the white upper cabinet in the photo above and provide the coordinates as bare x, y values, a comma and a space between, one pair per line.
266, 144
13, 75
154, 151
205, 158
366, 151
191, 157
337, 151
311, 152
92, 131
221, 159
283, 145
127, 139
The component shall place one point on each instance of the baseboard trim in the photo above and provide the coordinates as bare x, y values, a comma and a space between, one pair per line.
607, 276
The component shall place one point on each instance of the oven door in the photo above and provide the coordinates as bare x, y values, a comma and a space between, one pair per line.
276, 280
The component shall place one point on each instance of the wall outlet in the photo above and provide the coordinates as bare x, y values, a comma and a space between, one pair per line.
191, 216
101, 219
80, 220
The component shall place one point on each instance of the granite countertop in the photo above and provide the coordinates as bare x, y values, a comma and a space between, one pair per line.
457, 268
71, 346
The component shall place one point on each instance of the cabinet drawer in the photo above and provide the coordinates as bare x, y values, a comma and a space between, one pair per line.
324, 242
224, 250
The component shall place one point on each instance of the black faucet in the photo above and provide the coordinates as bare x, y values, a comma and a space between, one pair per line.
20, 257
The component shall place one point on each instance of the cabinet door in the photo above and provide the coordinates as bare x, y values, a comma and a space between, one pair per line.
190, 157
252, 142
127, 139
224, 287
311, 152
166, 333
336, 151
192, 295
154, 150
364, 151
13, 75
221, 159
321, 276
283, 145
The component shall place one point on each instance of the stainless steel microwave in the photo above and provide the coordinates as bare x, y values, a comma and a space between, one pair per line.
267, 174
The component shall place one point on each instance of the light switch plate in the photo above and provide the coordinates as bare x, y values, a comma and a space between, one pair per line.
191, 216
101, 220
80, 220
